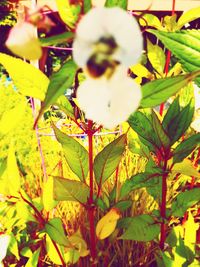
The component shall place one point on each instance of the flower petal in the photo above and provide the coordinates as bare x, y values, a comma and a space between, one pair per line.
23, 41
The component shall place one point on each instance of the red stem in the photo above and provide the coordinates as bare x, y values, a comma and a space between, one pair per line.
163, 212
91, 209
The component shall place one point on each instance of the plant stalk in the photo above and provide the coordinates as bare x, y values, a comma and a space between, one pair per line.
91, 209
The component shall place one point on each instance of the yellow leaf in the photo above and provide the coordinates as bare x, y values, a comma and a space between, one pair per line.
47, 196
79, 243
190, 231
52, 253
107, 224
29, 80
141, 71
11, 118
185, 167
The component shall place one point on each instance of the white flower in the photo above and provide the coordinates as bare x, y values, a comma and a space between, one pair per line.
109, 102
4, 242
113, 27
23, 41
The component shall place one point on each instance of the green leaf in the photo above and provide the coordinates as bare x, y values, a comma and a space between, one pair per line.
11, 118
185, 252
13, 246
47, 195
185, 148
172, 113
137, 181
180, 123
33, 261
119, 3
184, 201
188, 16
75, 154
106, 162
87, 5
158, 91
160, 132
144, 128
186, 168
55, 230
29, 80
150, 21
57, 39
63, 103
141, 228
185, 45
69, 190
156, 57
59, 82
123, 205
69, 13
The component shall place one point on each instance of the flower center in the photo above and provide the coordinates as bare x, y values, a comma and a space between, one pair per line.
101, 61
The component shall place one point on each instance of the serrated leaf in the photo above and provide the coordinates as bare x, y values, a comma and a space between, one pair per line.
188, 16
75, 154
185, 167
180, 123
47, 195
11, 118
141, 228
144, 128
119, 3
55, 230
172, 113
160, 132
184, 201
68, 12
150, 21
29, 80
185, 45
158, 91
156, 57
57, 39
185, 148
106, 162
63, 103
69, 190
59, 82
33, 261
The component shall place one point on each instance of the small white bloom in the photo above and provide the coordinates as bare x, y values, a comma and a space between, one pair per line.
4, 242
114, 25
23, 41
109, 102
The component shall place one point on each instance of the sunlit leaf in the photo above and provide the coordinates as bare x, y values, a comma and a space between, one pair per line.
59, 82
13, 246
75, 154
184, 201
72, 256
141, 71
55, 230
141, 228
79, 243
69, 190
149, 20
188, 16
107, 224
156, 57
158, 91
190, 232
185, 148
68, 12
52, 252
108, 159
11, 118
33, 261
185, 45
47, 195
119, 3
185, 167
29, 80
